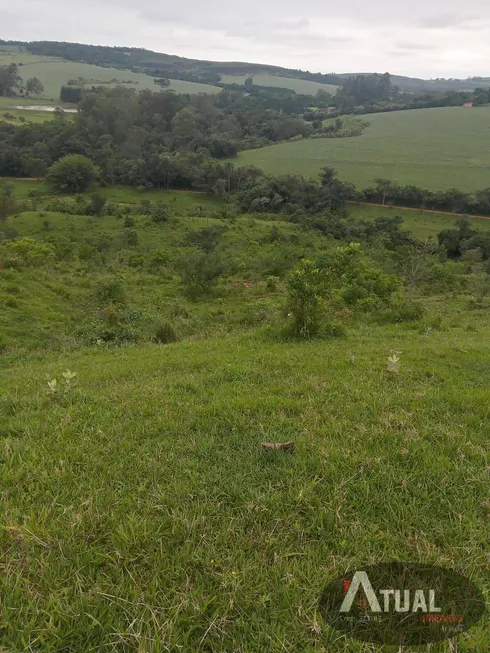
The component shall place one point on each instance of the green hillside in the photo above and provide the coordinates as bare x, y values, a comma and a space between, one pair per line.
302, 86
55, 72
430, 148
140, 511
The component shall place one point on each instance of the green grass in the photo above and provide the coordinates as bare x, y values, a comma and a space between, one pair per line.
302, 86
125, 194
55, 72
422, 225
138, 509
430, 148
140, 512
20, 116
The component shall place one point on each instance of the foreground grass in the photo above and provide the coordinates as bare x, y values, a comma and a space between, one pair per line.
139, 512
430, 148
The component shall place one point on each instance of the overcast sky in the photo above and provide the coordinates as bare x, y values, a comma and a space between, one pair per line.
426, 38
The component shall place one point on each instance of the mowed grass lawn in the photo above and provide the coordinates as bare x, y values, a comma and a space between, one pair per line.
303, 86
430, 148
139, 512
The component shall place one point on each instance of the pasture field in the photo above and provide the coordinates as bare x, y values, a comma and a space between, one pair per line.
125, 194
430, 148
302, 86
17, 116
55, 72
421, 223
139, 510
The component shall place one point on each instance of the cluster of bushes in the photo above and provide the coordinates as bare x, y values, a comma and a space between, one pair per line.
340, 127
335, 281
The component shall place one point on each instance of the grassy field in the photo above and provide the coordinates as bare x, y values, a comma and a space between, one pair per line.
299, 85
139, 511
430, 148
125, 194
17, 116
421, 224
54, 72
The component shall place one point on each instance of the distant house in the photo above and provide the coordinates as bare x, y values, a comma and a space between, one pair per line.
468, 104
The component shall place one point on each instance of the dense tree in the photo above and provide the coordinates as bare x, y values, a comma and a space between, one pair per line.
34, 86
10, 79
8, 203
71, 94
73, 173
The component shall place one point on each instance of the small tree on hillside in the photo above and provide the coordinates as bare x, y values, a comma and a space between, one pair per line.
73, 173
97, 203
8, 203
34, 86
249, 82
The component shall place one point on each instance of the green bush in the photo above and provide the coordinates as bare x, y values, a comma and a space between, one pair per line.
200, 271
26, 251
111, 290
164, 333
403, 311
340, 278
87, 252
73, 173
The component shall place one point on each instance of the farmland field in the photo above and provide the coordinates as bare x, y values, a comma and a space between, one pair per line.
430, 148
54, 72
299, 85
15, 116
422, 224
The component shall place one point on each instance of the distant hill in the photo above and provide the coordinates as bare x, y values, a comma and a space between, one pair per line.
418, 85
140, 60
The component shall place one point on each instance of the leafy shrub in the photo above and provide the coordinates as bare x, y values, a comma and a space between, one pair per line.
111, 290
26, 251
87, 252
403, 311
131, 237
304, 286
207, 239
159, 213
200, 271
271, 284
165, 333
340, 278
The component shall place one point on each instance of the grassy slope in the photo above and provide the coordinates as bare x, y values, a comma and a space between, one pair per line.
43, 307
431, 148
299, 85
422, 224
54, 72
140, 511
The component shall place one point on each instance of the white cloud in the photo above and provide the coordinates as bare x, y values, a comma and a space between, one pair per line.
446, 39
